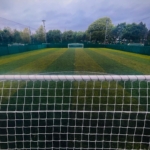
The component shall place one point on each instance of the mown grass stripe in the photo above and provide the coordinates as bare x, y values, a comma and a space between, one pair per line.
39, 64
142, 56
135, 65
64, 63
131, 56
86, 95
20, 56
109, 65
120, 69
9, 67
102, 96
83, 62
33, 67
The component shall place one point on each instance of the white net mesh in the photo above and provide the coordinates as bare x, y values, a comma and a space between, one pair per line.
74, 112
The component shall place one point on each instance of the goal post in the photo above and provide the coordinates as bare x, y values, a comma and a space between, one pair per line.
75, 45
74, 112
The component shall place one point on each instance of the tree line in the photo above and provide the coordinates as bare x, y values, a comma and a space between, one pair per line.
100, 31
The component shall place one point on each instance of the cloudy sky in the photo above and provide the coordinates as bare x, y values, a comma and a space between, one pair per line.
71, 14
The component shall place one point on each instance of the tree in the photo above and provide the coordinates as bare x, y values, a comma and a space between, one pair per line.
79, 36
1, 37
135, 32
40, 35
34, 38
67, 36
50, 38
119, 30
97, 29
25, 36
17, 37
148, 37
131, 32
54, 36
7, 35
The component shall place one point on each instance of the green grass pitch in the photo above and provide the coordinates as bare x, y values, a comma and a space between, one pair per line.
92, 60
66, 60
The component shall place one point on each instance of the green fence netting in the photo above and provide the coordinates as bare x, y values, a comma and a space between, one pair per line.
129, 48
134, 49
6, 50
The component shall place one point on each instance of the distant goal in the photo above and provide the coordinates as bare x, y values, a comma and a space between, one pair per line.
75, 45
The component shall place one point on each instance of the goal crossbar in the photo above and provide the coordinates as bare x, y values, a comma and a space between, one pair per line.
75, 45
77, 77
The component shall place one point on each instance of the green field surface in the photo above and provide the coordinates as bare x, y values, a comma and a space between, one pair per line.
100, 60
77, 96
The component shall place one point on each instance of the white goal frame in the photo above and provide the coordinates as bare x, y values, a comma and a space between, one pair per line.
127, 123
75, 45
76, 77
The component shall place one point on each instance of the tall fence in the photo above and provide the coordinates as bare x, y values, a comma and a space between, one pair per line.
74, 112
7, 50
57, 45
134, 49
64, 45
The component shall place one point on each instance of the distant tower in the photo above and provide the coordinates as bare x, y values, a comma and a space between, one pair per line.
44, 30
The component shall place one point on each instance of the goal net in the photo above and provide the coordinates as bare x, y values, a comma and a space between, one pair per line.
75, 45
74, 112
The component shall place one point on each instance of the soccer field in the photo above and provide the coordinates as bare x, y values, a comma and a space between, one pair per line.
100, 60
76, 114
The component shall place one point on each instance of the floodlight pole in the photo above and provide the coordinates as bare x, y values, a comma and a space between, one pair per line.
106, 31
45, 30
